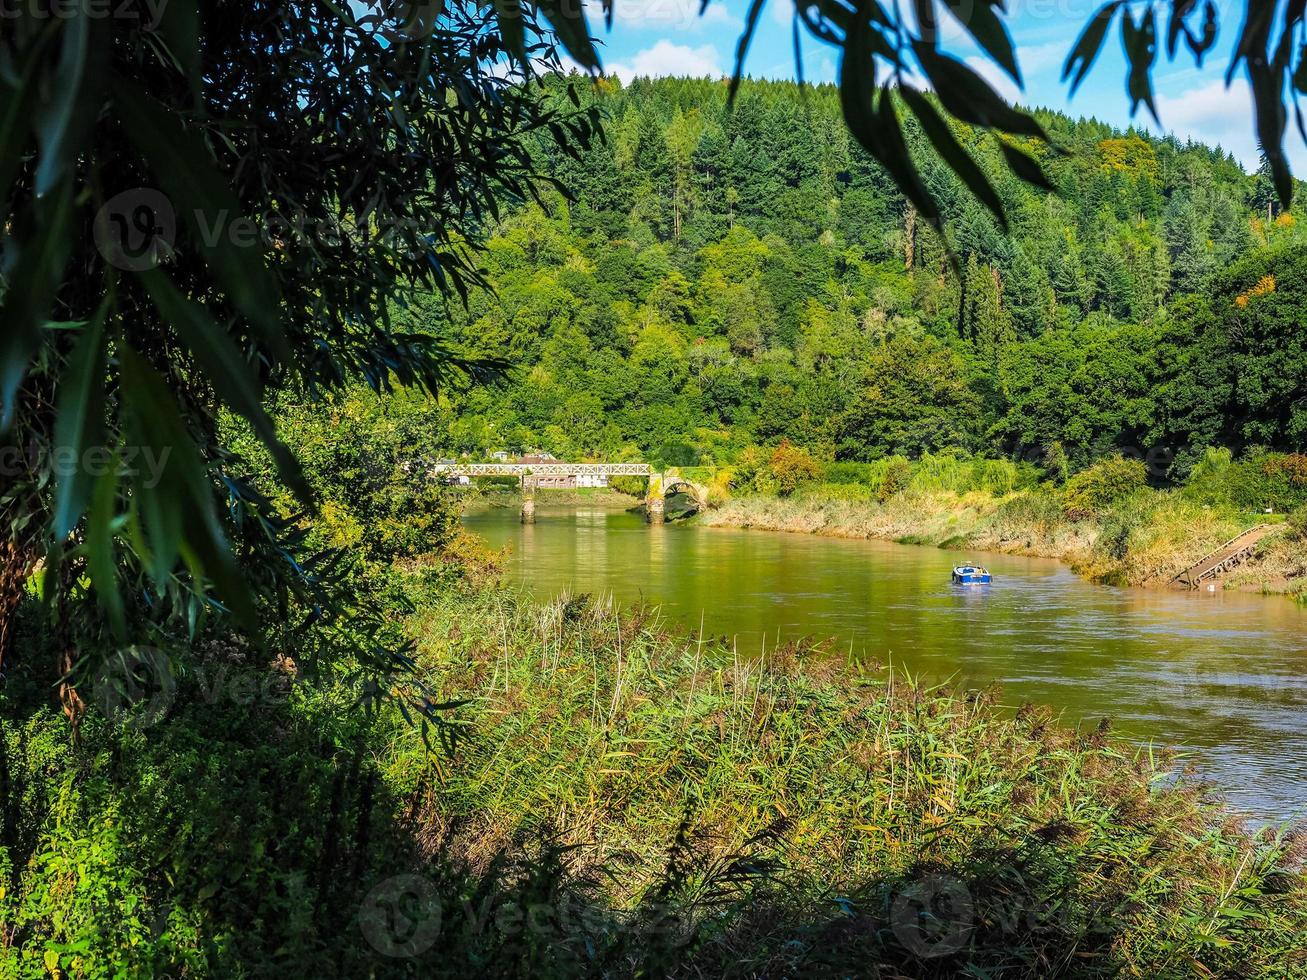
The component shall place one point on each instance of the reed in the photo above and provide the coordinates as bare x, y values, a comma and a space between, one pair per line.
622, 801
1045, 849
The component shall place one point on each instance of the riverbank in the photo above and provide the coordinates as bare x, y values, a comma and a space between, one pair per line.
822, 813
1144, 541
512, 497
610, 798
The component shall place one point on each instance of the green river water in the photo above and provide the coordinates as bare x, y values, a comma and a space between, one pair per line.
1222, 676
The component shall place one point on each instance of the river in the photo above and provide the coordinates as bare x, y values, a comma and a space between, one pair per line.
1220, 676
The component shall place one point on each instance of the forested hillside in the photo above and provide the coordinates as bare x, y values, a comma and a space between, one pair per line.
733, 278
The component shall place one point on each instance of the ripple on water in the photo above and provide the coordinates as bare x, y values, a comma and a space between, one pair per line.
1223, 675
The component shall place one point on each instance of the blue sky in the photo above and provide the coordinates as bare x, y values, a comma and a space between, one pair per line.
668, 37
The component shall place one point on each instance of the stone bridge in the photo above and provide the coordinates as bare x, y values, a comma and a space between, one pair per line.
670, 483
661, 484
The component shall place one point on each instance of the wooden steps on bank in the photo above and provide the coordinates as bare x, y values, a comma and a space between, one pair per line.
1224, 559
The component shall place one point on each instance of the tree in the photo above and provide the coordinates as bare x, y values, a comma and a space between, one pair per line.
1192, 260
912, 399
1236, 360
312, 168
320, 161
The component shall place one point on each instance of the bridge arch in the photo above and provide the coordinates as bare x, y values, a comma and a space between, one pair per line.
664, 485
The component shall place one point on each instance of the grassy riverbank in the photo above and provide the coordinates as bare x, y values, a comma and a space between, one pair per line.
1124, 535
503, 496
622, 801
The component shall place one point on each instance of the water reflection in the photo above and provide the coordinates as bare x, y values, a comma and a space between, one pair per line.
1224, 674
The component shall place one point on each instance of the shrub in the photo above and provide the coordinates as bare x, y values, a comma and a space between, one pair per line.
791, 466
1297, 523
1209, 480
1000, 476
1037, 509
941, 472
1275, 480
632, 486
897, 476
847, 473
1056, 464
750, 464
853, 492
1285, 486
1094, 490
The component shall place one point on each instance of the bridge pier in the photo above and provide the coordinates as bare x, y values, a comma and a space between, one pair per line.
656, 507
529, 508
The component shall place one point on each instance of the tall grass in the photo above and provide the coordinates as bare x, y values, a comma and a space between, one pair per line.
904, 830
623, 802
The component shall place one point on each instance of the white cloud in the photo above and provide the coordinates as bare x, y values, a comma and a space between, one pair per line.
664, 15
666, 58
1218, 116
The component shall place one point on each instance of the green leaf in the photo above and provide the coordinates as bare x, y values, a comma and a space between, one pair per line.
1200, 46
79, 424
179, 512
1025, 167
63, 123
179, 23
16, 116
568, 20
1180, 9
751, 19
959, 161
511, 18
35, 277
1141, 49
199, 192
970, 98
99, 548
872, 120
1255, 36
227, 370
978, 17
1087, 48
1271, 122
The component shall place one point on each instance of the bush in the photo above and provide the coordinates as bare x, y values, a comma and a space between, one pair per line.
1002, 476
1094, 490
1285, 485
1056, 464
848, 473
1209, 480
1261, 480
750, 464
1297, 524
897, 476
852, 492
632, 486
791, 466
